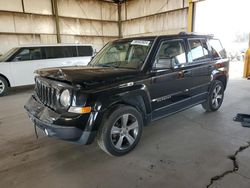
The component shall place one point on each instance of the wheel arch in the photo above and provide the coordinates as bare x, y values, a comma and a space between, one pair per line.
1, 75
138, 99
223, 79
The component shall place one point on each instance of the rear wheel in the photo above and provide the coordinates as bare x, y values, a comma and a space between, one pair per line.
3, 86
120, 132
215, 97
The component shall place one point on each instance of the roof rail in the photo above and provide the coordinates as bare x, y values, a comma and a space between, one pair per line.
195, 33
183, 33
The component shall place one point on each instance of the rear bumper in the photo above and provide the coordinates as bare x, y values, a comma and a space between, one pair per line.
45, 119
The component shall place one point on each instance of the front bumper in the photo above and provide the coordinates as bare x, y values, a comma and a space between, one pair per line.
70, 128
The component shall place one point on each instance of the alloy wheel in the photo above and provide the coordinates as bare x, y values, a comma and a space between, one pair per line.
124, 131
217, 96
2, 86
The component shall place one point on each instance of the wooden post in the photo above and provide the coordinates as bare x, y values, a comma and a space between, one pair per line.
23, 7
120, 19
55, 13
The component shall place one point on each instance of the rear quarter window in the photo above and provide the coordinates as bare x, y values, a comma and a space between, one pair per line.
217, 49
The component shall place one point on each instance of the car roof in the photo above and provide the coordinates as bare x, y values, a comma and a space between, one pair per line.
52, 45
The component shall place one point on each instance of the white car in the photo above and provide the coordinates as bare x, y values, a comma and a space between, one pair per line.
17, 66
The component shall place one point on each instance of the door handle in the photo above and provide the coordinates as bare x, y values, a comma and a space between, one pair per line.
187, 73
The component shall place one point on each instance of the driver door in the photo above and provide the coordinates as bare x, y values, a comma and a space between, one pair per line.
170, 86
23, 65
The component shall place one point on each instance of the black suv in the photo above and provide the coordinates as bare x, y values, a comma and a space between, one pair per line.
128, 84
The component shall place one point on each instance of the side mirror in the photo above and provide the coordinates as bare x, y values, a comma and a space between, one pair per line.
164, 63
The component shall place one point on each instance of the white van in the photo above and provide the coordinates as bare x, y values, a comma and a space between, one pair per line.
17, 66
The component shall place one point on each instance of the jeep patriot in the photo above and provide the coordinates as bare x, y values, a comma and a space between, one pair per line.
128, 84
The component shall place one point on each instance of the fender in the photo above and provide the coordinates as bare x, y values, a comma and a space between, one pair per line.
136, 95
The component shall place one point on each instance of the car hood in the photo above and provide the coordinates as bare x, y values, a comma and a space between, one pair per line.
88, 76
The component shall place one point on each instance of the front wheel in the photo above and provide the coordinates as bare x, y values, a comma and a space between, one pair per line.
215, 97
3, 86
120, 131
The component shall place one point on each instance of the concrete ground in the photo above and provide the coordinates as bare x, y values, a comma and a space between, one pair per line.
188, 149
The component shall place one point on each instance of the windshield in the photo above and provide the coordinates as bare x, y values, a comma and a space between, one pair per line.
123, 54
8, 54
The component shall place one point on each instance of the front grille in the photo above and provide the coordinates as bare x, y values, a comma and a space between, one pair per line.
46, 94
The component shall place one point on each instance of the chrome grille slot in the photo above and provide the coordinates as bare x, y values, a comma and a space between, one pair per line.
46, 94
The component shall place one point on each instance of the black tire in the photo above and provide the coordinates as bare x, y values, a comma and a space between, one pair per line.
4, 87
112, 130
211, 105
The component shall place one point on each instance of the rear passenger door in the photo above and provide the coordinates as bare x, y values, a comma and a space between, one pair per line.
58, 56
200, 60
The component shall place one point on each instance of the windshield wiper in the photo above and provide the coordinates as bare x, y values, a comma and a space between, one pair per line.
105, 65
127, 68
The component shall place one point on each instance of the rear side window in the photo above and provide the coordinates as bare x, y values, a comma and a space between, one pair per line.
53, 52
69, 51
60, 52
85, 50
198, 50
27, 54
218, 51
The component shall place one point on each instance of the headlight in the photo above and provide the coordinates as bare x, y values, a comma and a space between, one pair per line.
65, 98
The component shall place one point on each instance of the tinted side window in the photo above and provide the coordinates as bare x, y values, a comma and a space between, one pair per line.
218, 51
60, 52
173, 50
85, 50
69, 51
54, 52
198, 51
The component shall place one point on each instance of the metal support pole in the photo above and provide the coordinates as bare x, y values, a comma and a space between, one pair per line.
120, 19
55, 14
191, 16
